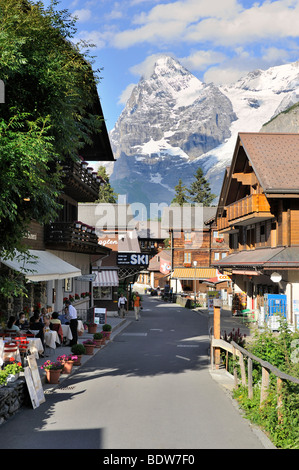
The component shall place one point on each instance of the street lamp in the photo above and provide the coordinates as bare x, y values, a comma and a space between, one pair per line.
195, 264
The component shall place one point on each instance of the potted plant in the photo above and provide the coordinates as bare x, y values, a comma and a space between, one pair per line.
99, 339
92, 327
78, 350
89, 346
68, 361
53, 371
107, 330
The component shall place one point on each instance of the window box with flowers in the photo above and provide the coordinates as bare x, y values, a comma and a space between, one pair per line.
219, 240
11, 371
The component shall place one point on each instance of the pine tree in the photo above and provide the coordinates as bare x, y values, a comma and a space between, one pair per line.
200, 191
106, 193
181, 197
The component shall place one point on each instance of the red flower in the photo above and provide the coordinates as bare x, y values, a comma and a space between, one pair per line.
11, 359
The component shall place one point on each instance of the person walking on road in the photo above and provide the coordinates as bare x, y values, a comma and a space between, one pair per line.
137, 305
121, 305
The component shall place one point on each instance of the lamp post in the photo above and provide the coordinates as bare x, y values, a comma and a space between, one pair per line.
195, 264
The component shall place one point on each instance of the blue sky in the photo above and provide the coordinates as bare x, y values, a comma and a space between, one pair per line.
217, 40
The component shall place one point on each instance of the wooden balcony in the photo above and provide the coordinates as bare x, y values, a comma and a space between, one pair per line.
222, 224
249, 210
79, 184
72, 237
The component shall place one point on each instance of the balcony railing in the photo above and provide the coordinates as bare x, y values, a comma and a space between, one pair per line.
222, 223
253, 204
80, 183
72, 237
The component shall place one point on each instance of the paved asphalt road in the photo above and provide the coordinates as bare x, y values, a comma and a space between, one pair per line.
149, 388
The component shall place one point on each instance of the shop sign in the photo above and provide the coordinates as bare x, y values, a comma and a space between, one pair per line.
132, 259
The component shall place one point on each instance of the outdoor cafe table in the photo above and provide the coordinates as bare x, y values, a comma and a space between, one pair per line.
51, 338
67, 333
35, 346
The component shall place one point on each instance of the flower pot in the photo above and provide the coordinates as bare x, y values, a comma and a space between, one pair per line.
99, 342
67, 367
92, 329
53, 375
106, 334
89, 349
78, 361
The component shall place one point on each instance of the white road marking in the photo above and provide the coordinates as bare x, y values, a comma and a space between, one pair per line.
134, 334
185, 358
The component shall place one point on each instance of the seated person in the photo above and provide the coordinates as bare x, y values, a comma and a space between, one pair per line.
35, 315
22, 321
47, 322
62, 318
56, 325
36, 324
55, 318
11, 324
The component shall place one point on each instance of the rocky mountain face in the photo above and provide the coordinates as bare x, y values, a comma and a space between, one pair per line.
286, 121
173, 123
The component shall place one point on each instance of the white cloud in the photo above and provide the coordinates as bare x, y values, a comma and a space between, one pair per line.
145, 68
265, 21
199, 60
125, 95
273, 55
82, 15
97, 38
224, 75
220, 22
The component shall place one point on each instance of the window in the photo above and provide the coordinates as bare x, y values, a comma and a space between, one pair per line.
216, 256
102, 293
187, 258
223, 255
187, 236
215, 234
68, 284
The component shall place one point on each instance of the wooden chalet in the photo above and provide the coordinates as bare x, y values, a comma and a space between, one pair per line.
63, 249
259, 210
195, 245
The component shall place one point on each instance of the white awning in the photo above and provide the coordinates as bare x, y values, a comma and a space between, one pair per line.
106, 277
43, 267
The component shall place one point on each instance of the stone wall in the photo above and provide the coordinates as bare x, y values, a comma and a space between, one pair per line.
12, 398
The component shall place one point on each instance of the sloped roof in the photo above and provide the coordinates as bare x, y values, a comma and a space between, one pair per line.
187, 217
150, 229
154, 264
275, 160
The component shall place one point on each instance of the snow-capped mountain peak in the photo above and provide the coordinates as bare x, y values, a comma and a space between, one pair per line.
173, 122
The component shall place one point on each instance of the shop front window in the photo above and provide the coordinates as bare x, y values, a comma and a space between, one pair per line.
102, 293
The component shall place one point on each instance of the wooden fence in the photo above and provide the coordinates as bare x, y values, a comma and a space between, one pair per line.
246, 379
